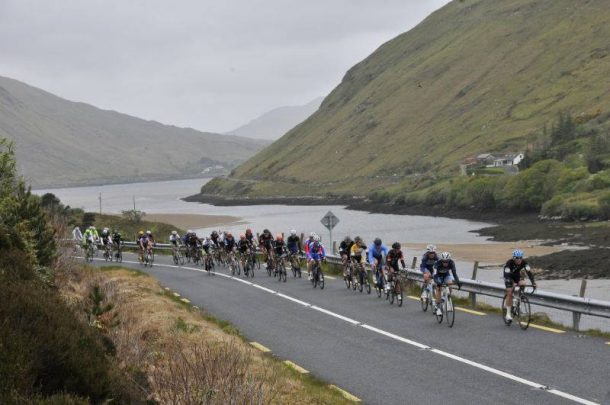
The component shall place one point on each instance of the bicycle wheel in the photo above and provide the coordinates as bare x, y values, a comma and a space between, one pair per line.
119, 256
176, 260
348, 280
439, 318
449, 312
399, 297
390, 294
361, 282
378, 286
504, 309
424, 301
181, 258
314, 277
321, 279
524, 314
284, 272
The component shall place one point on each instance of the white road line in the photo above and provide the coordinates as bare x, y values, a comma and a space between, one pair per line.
408, 341
345, 318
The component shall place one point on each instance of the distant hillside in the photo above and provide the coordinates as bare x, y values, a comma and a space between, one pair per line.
60, 142
476, 76
277, 122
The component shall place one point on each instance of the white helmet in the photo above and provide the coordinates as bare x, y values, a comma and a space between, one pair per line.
92, 227
189, 231
430, 248
316, 238
445, 256
293, 232
313, 234
148, 232
105, 229
174, 233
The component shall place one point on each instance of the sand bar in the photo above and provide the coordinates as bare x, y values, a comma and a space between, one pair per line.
193, 221
485, 253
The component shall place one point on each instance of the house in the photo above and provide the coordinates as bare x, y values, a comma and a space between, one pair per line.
486, 159
511, 159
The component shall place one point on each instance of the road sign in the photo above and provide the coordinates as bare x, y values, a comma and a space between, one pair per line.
329, 220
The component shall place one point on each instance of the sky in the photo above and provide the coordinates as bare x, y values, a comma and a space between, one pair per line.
208, 65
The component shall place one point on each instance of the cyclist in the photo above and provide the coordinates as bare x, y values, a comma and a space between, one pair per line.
427, 266
89, 237
266, 241
358, 255
250, 237
106, 238
141, 236
308, 242
77, 235
244, 247
117, 238
215, 238
175, 241
293, 243
513, 275
150, 236
445, 274
394, 256
279, 247
315, 252
206, 244
377, 251
229, 242
344, 252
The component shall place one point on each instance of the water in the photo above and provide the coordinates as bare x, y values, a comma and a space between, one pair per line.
165, 197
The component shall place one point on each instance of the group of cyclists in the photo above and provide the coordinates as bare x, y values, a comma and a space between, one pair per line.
91, 238
438, 269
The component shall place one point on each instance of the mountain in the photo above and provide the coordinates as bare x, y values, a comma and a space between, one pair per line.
277, 122
474, 77
60, 142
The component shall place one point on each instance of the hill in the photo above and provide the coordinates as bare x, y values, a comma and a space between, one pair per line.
277, 122
474, 77
60, 142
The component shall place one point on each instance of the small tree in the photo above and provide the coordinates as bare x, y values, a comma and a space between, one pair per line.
133, 216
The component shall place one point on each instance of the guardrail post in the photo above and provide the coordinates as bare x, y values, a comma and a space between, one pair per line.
576, 315
473, 296
334, 247
414, 263
302, 241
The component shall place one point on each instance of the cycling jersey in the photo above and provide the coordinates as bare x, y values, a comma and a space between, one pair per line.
243, 246
427, 263
377, 253
306, 245
294, 244
444, 273
358, 252
345, 248
229, 244
117, 238
266, 241
316, 251
512, 272
395, 256
174, 239
279, 247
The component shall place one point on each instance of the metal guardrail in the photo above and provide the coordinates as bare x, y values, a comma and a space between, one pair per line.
576, 305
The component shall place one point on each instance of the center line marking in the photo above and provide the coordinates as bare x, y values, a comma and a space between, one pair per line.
407, 341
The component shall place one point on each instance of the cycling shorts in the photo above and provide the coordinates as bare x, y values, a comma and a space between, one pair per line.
511, 278
426, 270
439, 279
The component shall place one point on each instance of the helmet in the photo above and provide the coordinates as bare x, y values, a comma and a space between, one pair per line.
266, 231
242, 236
430, 248
91, 227
214, 233
141, 233
229, 235
312, 234
106, 229
189, 231
148, 232
293, 232
396, 245
357, 239
248, 231
445, 256
316, 238
347, 239
518, 254
377, 242
279, 236
174, 233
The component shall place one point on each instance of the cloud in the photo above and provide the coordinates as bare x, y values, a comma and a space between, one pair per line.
211, 65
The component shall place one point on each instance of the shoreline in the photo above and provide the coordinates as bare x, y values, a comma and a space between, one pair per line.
193, 221
118, 181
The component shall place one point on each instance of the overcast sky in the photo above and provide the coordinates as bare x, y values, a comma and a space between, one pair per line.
210, 65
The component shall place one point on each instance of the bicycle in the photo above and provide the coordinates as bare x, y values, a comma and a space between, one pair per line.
246, 263
89, 253
149, 257
317, 275
108, 252
521, 310
446, 306
177, 256
270, 264
362, 278
233, 264
281, 269
396, 288
426, 296
380, 283
118, 256
208, 263
347, 273
295, 265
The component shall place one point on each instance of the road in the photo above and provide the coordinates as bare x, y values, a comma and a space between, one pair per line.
384, 354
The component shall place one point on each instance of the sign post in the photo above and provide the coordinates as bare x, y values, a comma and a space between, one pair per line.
330, 221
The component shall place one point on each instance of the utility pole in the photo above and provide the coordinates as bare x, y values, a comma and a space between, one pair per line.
134, 203
100, 198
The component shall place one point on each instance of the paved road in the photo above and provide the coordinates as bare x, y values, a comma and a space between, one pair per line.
389, 355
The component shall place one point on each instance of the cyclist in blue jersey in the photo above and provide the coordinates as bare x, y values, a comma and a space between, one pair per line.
293, 243
315, 252
377, 254
427, 266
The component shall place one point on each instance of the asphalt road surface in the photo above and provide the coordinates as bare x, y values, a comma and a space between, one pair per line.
384, 354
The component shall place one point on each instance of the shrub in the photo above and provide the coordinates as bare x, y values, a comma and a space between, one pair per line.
604, 205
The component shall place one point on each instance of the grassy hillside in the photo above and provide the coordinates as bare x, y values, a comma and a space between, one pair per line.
59, 142
476, 76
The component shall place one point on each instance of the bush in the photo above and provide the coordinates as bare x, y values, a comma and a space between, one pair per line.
604, 205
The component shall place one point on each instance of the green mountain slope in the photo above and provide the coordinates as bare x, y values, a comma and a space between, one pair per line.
476, 76
60, 142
